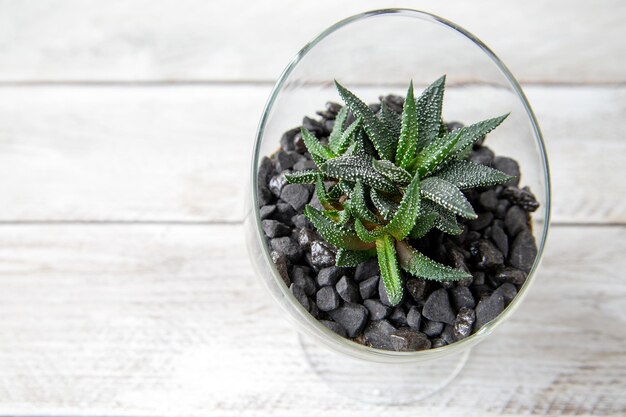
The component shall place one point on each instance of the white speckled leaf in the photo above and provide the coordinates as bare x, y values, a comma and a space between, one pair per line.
470, 134
389, 271
359, 206
385, 207
306, 176
338, 129
429, 105
467, 174
419, 265
396, 174
448, 196
351, 258
404, 218
314, 146
407, 142
334, 233
353, 168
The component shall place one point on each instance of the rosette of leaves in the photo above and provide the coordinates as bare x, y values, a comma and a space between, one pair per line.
386, 178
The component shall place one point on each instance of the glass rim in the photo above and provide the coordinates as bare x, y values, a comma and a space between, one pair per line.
313, 326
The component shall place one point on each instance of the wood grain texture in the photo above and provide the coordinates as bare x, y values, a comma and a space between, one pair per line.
183, 153
193, 40
169, 320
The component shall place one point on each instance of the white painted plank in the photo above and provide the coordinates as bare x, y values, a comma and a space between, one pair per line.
183, 153
163, 320
556, 41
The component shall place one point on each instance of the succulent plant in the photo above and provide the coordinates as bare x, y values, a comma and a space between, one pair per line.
387, 178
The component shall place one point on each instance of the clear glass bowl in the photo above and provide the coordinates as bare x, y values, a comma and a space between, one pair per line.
373, 54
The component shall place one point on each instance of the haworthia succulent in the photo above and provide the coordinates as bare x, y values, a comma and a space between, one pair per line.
359, 204
467, 174
392, 172
435, 154
470, 134
314, 146
407, 142
389, 271
448, 196
404, 218
420, 265
307, 176
423, 225
429, 105
334, 233
365, 235
351, 258
346, 138
391, 119
338, 128
353, 168
385, 207
322, 195
378, 133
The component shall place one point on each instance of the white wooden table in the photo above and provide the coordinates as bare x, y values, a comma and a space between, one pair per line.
124, 284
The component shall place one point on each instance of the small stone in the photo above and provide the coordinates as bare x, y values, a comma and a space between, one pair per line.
300, 277
314, 311
277, 183
489, 200
284, 213
523, 251
274, 228
280, 261
486, 254
369, 287
284, 161
314, 126
502, 209
437, 307
457, 257
522, 197
366, 270
352, 317
266, 211
322, 254
265, 196
508, 166
377, 310
315, 202
382, 293
266, 170
299, 294
414, 318
483, 155
333, 107
398, 317
328, 116
462, 298
327, 299
301, 222
286, 141
515, 220
329, 276
395, 103
500, 239
416, 288
432, 328
408, 340
348, 290
472, 236
304, 164
375, 107
448, 334
481, 290
305, 237
287, 246
437, 343
463, 323
483, 220
378, 334
335, 327
508, 292
297, 195
488, 309
512, 275
298, 144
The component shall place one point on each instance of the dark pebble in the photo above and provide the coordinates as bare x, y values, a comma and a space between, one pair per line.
298, 144
508, 292
286, 141
523, 251
284, 213
286, 246
512, 275
522, 197
483, 155
366, 270
437, 343
414, 318
369, 287
277, 183
306, 236
462, 298
378, 333
266, 211
408, 340
395, 103
483, 220
285, 160
398, 316
322, 254
300, 277
333, 107
437, 307
315, 202
416, 288
515, 220
352, 317
457, 257
301, 222
488, 308
487, 255
503, 207
304, 164
335, 327
327, 299
297, 195
489, 200
314, 126
266, 170
481, 290
299, 294
329, 276
508, 166
382, 293
448, 334
265, 196
348, 290
432, 328
500, 239
377, 310
280, 261
274, 228
464, 323
314, 311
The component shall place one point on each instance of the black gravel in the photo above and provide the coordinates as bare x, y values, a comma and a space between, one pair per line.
497, 249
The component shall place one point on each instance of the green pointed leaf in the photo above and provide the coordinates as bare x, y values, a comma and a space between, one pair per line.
389, 271
445, 220
378, 133
391, 119
421, 266
334, 233
359, 205
408, 133
350, 258
470, 134
365, 235
435, 154
353, 168
448, 196
429, 106
306, 176
322, 195
423, 225
347, 137
404, 218
392, 172
318, 160
467, 174
385, 207
314, 146
338, 128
